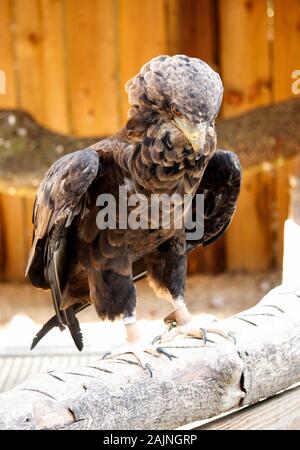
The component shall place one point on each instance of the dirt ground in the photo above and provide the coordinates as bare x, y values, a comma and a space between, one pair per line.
221, 295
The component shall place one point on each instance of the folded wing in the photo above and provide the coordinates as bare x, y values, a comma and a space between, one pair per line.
61, 197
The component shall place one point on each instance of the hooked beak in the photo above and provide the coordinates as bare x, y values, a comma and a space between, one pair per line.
196, 134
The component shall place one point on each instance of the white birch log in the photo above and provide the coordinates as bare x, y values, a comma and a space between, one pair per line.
202, 382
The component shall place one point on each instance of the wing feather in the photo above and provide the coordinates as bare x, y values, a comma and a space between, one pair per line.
60, 198
220, 185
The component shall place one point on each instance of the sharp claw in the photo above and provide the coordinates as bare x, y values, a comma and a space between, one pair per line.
149, 368
232, 336
204, 332
170, 327
106, 355
164, 352
205, 338
156, 339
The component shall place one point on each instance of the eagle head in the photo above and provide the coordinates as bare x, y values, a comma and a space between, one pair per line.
184, 90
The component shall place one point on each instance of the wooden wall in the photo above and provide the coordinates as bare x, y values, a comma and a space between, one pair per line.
259, 50
66, 62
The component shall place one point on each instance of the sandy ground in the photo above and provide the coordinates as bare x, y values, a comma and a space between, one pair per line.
221, 295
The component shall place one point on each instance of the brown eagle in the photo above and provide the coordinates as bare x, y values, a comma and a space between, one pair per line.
168, 146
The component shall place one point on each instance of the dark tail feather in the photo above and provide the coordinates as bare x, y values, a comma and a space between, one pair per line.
53, 322
72, 324
74, 328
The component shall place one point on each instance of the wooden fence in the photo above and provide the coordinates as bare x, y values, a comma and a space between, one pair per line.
66, 62
80, 53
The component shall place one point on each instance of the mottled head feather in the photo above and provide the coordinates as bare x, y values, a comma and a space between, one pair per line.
187, 83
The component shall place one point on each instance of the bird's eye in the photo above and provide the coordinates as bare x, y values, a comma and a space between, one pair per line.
176, 111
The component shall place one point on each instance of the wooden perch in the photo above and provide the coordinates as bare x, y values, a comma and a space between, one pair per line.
202, 382
263, 134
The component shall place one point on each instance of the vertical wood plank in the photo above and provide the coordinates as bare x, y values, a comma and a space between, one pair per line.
286, 46
40, 61
208, 260
142, 35
56, 114
244, 55
12, 211
91, 28
192, 29
28, 46
250, 238
7, 100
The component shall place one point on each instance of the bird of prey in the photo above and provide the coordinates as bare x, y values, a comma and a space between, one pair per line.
168, 146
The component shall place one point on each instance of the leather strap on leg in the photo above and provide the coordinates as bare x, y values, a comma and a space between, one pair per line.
179, 315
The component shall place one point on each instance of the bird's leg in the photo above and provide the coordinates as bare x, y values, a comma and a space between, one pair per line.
133, 332
180, 314
166, 268
180, 323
